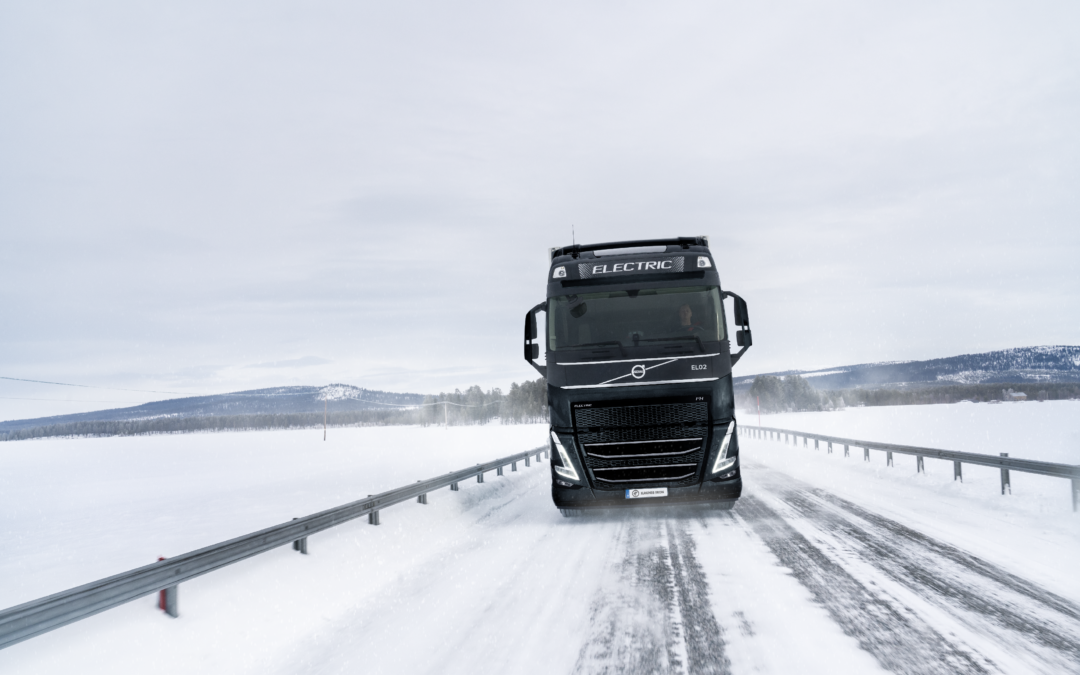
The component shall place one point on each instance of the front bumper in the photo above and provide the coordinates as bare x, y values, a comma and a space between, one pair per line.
588, 498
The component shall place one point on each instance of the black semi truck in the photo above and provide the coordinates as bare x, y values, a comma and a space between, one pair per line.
638, 369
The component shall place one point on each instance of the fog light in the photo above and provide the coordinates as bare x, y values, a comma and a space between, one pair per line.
563, 483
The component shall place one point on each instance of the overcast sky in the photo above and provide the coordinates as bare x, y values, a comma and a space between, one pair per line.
213, 196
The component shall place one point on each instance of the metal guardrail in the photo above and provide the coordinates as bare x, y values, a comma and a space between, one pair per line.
1003, 461
33, 618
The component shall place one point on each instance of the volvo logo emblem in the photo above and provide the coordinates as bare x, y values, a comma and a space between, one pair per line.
638, 371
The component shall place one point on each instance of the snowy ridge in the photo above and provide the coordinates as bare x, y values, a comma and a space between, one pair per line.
1021, 364
277, 400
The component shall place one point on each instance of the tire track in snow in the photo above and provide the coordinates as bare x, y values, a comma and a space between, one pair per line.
703, 635
654, 616
899, 640
975, 592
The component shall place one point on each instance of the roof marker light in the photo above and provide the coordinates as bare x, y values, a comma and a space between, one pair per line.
702, 261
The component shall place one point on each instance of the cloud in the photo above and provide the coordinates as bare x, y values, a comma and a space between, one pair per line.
302, 362
223, 183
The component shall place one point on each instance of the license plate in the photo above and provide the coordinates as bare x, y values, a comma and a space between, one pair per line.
642, 494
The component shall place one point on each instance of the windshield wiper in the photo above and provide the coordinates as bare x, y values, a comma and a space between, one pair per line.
696, 338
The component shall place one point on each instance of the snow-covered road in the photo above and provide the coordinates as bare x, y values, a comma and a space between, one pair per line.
794, 580
798, 578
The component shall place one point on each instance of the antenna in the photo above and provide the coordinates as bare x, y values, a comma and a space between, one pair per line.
573, 237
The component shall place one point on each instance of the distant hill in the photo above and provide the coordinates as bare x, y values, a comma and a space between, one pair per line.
1019, 365
280, 400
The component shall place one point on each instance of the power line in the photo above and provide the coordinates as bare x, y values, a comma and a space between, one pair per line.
61, 400
90, 386
142, 391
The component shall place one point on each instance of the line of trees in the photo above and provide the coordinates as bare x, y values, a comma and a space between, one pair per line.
795, 394
525, 403
788, 394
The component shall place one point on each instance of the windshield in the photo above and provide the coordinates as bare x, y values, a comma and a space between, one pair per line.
635, 317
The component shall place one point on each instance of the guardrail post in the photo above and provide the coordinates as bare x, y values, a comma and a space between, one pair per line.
300, 544
454, 487
1076, 494
816, 447
888, 458
480, 477
373, 517
957, 472
805, 442
846, 453
1006, 488
527, 461
498, 471
830, 448
513, 466
421, 499
919, 468
167, 601
866, 454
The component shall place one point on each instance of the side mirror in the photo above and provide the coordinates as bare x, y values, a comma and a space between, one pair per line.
742, 317
532, 349
742, 320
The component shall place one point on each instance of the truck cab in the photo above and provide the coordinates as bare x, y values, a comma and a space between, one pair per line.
638, 370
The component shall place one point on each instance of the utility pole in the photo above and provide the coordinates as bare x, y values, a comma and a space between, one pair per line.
324, 417
758, 410
446, 408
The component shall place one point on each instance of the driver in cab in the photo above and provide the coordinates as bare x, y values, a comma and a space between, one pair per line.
686, 321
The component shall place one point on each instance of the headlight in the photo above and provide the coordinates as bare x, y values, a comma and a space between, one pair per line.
559, 273
567, 469
722, 460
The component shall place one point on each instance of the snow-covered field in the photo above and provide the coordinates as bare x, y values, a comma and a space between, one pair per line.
1049, 431
827, 565
76, 510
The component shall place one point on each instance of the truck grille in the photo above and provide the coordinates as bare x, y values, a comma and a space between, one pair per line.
643, 445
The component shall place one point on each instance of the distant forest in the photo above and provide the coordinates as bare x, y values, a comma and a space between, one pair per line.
525, 403
796, 394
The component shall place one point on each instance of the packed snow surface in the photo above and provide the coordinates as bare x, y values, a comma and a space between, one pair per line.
826, 565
